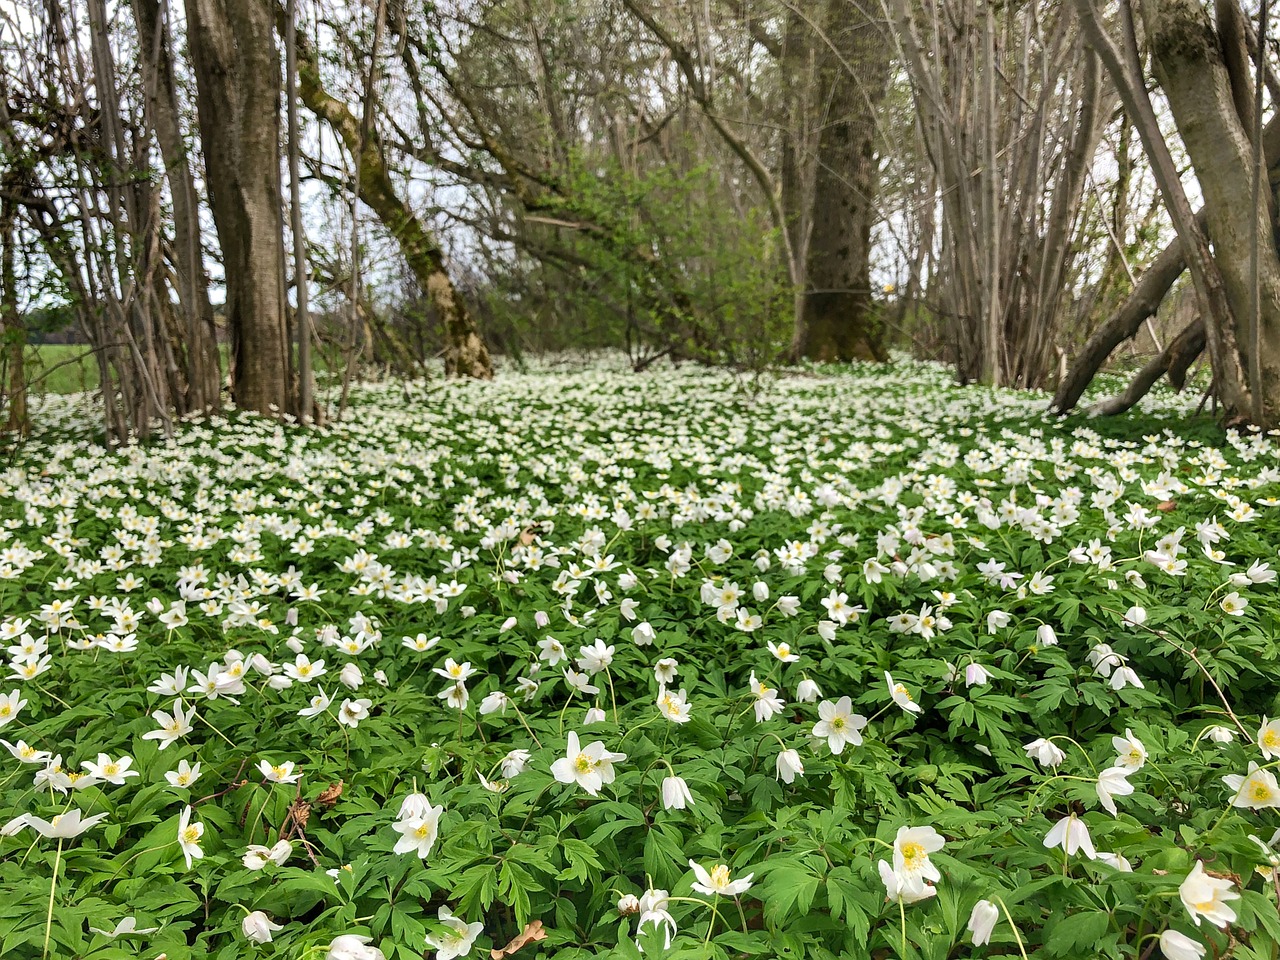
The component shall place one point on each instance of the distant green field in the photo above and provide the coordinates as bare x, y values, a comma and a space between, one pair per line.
71, 368
61, 368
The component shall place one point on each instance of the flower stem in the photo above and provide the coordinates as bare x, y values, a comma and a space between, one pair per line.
53, 886
1016, 935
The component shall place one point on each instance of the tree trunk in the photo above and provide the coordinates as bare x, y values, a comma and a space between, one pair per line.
204, 373
1172, 361
1188, 61
836, 319
465, 352
238, 96
1124, 323
12, 331
301, 276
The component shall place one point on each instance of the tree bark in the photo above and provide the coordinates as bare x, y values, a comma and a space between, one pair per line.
836, 319
12, 331
301, 276
1124, 323
1173, 361
238, 97
1189, 63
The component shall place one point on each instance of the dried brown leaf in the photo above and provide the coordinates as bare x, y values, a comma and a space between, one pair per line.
532, 932
330, 794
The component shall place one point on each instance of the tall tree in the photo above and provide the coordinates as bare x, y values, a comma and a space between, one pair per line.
237, 72
835, 318
1010, 110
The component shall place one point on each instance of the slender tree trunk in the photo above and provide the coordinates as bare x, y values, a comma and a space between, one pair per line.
12, 330
301, 278
203, 373
238, 96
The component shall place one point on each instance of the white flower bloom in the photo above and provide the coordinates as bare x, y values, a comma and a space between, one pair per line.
590, 767
717, 881
1071, 834
258, 927
1178, 946
901, 695
457, 937
1130, 753
789, 766
418, 826
675, 794
982, 921
1206, 897
839, 725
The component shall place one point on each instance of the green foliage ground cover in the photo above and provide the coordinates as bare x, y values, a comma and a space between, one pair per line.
861, 665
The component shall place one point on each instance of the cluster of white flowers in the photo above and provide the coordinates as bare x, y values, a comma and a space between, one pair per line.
204, 536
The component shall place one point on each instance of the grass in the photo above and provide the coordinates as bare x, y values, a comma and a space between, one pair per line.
63, 368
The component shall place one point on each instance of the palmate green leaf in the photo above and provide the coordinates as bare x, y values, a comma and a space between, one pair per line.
788, 889
1077, 933
475, 889
515, 885
581, 861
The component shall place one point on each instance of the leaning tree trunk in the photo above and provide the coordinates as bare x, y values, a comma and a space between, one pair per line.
1123, 324
1189, 63
465, 352
836, 319
238, 98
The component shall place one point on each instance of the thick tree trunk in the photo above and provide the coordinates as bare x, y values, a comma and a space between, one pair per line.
203, 373
1189, 63
465, 352
836, 318
238, 95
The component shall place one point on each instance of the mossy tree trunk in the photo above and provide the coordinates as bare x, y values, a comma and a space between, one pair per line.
465, 352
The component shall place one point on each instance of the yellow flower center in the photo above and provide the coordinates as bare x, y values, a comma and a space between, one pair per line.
913, 853
1260, 792
837, 723
423, 831
583, 764
191, 834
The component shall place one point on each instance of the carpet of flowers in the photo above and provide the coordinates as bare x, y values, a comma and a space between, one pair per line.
584, 663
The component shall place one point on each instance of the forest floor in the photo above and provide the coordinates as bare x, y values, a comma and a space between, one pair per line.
858, 664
